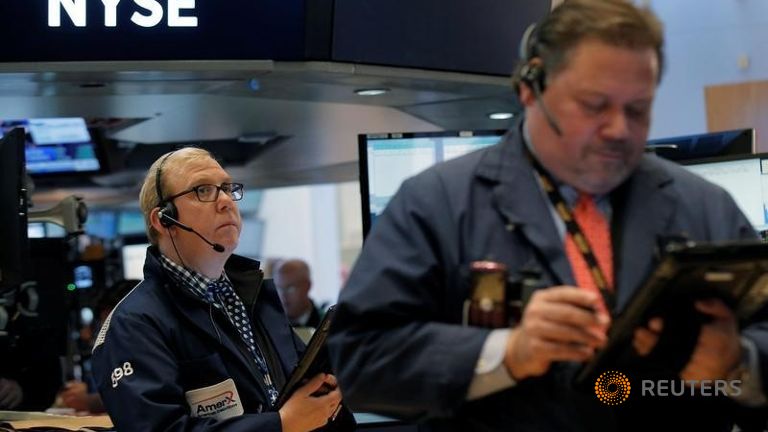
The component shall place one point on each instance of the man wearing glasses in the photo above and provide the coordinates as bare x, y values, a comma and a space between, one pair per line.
201, 343
293, 282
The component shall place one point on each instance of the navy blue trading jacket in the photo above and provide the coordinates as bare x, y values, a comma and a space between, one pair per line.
397, 342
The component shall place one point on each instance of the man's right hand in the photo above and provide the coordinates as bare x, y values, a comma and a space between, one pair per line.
304, 412
559, 324
75, 395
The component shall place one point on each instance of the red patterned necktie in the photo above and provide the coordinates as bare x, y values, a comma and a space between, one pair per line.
595, 228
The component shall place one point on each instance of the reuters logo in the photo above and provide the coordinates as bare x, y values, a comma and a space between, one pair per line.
612, 388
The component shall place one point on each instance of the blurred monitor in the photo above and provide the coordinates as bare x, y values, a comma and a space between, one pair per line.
387, 159
83, 276
45, 230
36, 230
101, 223
745, 178
133, 260
712, 144
130, 222
57, 146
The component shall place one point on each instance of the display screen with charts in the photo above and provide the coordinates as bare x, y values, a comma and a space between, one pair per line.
745, 178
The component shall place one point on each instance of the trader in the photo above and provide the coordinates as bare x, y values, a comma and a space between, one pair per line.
572, 167
202, 343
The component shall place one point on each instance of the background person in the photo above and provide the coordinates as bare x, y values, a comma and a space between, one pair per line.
293, 282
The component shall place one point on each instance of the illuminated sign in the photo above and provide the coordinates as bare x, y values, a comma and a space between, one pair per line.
149, 30
148, 13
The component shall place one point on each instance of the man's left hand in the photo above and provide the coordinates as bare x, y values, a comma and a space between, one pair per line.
717, 351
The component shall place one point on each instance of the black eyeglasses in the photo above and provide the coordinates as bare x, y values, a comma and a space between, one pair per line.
210, 192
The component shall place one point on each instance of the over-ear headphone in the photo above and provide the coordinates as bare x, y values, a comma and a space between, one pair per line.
168, 210
531, 73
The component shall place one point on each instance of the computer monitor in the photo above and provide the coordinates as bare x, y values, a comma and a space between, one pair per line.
83, 276
102, 223
387, 159
130, 222
58, 146
712, 144
14, 252
745, 178
133, 260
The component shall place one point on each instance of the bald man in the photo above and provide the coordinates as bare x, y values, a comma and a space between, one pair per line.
293, 282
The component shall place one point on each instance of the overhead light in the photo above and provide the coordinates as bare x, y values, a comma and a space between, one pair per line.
501, 115
371, 91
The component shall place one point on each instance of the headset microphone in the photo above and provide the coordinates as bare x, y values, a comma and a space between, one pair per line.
171, 221
547, 115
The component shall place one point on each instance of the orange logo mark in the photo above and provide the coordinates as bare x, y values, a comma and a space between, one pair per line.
612, 388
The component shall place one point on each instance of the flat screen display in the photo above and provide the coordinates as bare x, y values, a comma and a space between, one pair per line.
133, 261
745, 178
387, 159
57, 145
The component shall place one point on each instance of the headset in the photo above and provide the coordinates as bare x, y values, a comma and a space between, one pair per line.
533, 73
168, 213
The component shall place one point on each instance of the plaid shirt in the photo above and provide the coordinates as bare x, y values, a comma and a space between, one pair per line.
221, 294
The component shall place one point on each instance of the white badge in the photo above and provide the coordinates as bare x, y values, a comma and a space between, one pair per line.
220, 401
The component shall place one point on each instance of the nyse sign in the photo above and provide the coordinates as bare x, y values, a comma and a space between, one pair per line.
146, 13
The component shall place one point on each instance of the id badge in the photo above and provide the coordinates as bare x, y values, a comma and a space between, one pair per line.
220, 401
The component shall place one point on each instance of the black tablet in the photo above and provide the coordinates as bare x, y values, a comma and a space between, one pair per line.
736, 273
314, 361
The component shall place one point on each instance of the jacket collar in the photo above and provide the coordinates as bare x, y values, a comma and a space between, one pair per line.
647, 200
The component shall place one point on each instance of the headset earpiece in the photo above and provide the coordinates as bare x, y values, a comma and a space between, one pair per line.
167, 213
168, 209
532, 72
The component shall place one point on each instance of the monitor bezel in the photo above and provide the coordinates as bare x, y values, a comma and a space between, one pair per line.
651, 144
726, 158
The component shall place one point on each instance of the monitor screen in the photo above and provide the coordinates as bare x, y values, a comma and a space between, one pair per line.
101, 223
712, 144
57, 145
130, 222
83, 276
387, 159
133, 260
36, 230
745, 178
